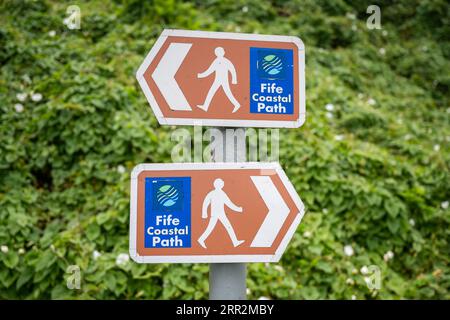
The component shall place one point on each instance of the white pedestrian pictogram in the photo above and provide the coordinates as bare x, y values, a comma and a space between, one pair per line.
221, 66
218, 199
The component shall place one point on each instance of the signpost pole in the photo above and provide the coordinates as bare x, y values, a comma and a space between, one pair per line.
227, 281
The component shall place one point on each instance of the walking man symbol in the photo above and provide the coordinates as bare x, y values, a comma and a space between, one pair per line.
217, 198
221, 66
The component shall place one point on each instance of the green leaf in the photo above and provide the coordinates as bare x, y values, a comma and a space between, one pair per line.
11, 259
93, 231
393, 224
110, 281
25, 276
60, 291
324, 266
102, 218
45, 260
391, 207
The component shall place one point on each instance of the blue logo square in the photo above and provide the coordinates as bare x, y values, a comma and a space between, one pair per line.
167, 212
271, 81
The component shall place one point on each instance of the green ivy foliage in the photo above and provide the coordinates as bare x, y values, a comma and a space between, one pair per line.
372, 167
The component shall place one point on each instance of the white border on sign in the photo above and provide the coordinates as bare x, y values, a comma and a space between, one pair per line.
225, 122
211, 258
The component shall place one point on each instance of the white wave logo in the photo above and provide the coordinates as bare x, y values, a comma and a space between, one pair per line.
272, 64
167, 195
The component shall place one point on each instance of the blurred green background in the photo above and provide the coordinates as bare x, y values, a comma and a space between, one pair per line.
371, 162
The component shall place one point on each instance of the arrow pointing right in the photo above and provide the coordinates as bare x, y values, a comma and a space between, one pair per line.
164, 76
278, 212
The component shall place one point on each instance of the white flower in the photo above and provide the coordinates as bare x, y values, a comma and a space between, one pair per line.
339, 137
350, 15
21, 96
249, 291
444, 205
329, 107
388, 255
384, 33
244, 9
371, 102
279, 268
121, 169
367, 280
350, 281
353, 297
52, 33
382, 51
307, 234
36, 97
325, 210
18, 107
66, 21
329, 115
21, 251
364, 270
348, 250
412, 222
122, 259
96, 254
436, 147
4, 249
354, 271
263, 298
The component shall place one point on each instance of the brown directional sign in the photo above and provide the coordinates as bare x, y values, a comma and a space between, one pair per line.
211, 212
225, 79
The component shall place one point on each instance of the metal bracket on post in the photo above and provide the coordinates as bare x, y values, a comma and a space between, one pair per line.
227, 281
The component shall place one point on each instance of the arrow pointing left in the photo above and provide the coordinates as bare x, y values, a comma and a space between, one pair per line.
164, 76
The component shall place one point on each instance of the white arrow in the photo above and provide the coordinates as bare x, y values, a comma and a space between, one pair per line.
278, 212
164, 76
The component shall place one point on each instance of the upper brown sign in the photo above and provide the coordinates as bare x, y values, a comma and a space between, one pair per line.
225, 79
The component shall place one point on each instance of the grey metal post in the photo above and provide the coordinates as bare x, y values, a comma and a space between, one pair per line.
227, 281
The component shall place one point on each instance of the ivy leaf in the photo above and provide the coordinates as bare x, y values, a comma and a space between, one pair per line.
93, 231
110, 281
45, 260
393, 225
324, 266
25, 276
391, 207
11, 259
